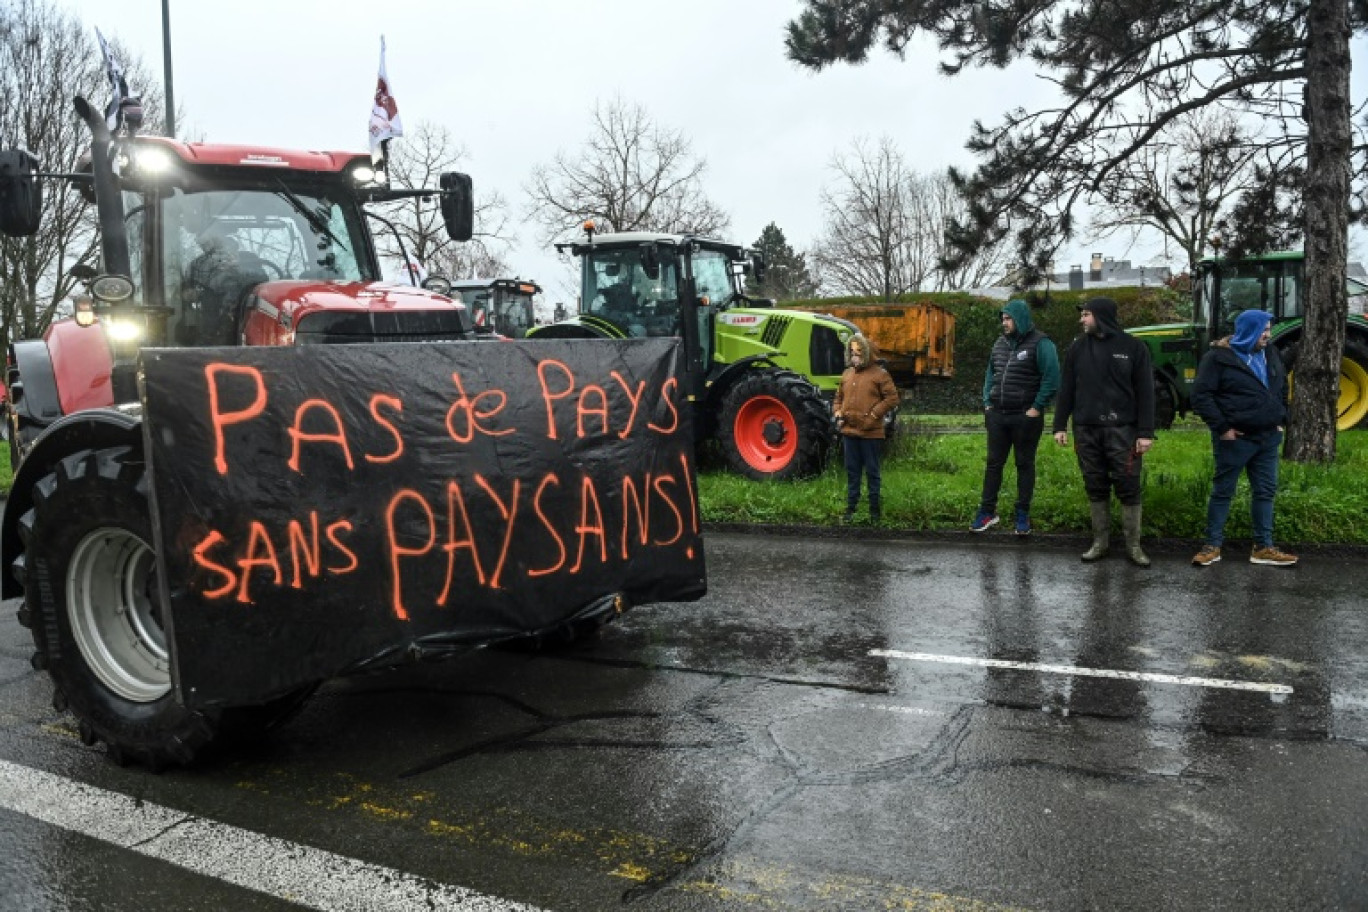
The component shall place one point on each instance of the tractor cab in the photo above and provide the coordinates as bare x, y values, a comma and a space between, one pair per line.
504, 306
1221, 289
228, 245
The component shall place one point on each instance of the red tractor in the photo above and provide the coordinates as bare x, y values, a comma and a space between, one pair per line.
202, 245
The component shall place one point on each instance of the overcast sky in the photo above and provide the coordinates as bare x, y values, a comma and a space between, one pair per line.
515, 80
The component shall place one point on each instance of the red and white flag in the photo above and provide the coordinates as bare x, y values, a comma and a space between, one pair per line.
384, 120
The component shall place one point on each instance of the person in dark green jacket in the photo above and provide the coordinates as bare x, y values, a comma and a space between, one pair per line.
1022, 377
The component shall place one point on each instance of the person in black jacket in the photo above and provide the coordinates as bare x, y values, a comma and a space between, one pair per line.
1107, 387
1241, 393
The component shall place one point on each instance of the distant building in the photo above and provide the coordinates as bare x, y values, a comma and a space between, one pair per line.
1102, 272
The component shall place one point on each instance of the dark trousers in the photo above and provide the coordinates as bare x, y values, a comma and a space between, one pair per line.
1256, 455
1011, 433
1107, 459
862, 456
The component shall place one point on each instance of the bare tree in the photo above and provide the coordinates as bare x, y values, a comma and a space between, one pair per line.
936, 204
417, 161
1184, 182
870, 246
631, 174
47, 57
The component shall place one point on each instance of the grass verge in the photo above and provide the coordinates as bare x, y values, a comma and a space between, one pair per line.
933, 476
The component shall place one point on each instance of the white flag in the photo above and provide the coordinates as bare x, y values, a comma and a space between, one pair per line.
384, 119
118, 88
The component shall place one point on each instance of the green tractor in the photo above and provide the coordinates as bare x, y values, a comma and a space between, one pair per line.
504, 306
763, 378
1221, 288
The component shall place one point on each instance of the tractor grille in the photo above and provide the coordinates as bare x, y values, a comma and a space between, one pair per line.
340, 328
775, 328
826, 352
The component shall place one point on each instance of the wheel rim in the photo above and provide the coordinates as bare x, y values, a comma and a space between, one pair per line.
1353, 393
766, 434
114, 617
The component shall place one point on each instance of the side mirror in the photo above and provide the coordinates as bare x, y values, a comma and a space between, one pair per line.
758, 268
650, 261
458, 205
21, 195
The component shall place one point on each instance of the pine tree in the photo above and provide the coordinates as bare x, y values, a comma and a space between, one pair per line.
786, 274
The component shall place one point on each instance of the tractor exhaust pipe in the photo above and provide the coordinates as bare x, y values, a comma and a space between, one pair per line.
108, 200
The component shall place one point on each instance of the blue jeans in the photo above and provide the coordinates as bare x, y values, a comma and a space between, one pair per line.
862, 456
1256, 455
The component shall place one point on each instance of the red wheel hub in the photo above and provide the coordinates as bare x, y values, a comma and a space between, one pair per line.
766, 434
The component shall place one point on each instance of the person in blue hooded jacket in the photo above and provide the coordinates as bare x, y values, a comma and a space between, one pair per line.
1021, 380
1241, 394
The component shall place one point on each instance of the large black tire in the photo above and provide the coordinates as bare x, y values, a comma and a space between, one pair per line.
1352, 408
775, 425
1165, 409
89, 574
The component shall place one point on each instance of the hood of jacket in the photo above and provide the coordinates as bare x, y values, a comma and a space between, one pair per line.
1249, 326
1020, 312
858, 341
1104, 312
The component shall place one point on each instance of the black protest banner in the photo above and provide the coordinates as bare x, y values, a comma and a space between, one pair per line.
319, 507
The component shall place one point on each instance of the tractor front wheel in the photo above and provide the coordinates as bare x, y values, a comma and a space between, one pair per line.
774, 425
90, 578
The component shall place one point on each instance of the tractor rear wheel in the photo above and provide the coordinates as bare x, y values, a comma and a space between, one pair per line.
774, 425
91, 600
1165, 410
1352, 406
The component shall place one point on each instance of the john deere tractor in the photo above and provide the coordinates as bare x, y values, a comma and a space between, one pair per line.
765, 376
1221, 288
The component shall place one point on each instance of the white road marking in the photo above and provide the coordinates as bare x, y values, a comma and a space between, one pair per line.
908, 710
1085, 672
276, 867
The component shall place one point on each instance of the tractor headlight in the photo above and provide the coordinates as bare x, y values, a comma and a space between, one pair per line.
153, 161
439, 285
123, 330
83, 310
365, 174
112, 289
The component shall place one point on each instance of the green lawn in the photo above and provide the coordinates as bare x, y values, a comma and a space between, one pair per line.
933, 476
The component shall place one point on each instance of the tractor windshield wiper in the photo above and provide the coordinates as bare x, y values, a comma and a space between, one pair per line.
315, 220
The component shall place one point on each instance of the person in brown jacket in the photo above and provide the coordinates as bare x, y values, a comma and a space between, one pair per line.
865, 396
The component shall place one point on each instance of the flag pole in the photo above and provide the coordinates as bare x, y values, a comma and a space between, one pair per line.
166, 70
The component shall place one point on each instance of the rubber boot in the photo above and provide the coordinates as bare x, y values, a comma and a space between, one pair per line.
1101, 529
1130, 522
875, 511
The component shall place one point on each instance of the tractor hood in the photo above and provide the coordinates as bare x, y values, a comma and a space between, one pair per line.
295, 311
298, 298
1160, 329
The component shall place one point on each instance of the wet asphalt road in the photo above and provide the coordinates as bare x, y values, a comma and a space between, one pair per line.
748, 751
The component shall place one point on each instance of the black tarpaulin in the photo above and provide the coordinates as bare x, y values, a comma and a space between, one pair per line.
320, 506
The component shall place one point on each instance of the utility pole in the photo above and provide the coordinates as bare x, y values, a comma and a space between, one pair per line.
166, 70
